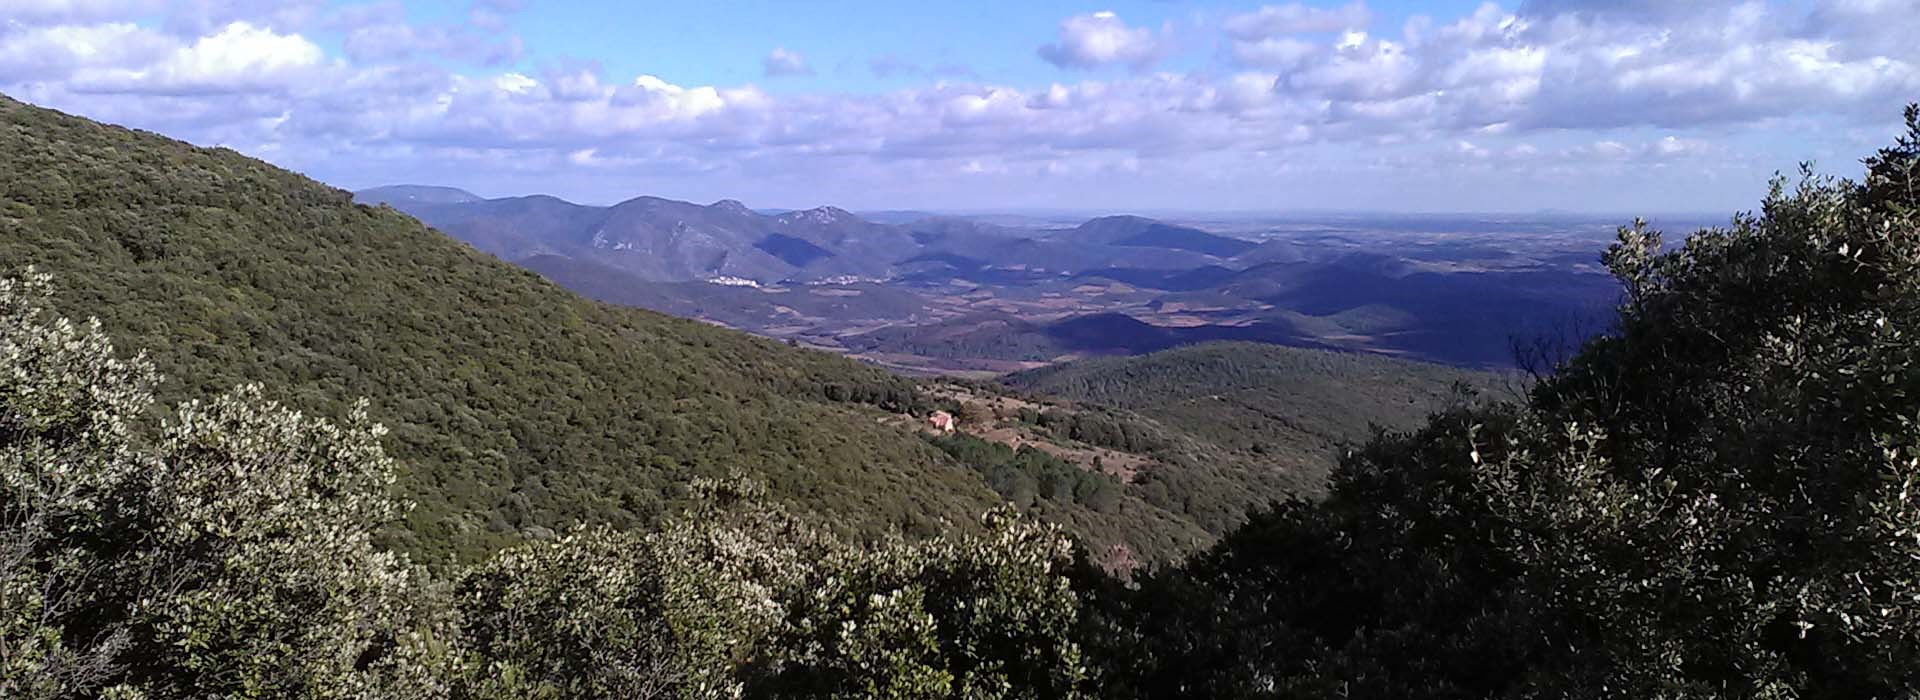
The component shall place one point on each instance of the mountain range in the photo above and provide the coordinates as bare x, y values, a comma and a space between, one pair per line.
944, 294
663, 240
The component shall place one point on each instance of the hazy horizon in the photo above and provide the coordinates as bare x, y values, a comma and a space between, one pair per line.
1302, 214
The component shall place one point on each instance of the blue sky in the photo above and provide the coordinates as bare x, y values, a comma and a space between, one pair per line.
841, 38
1615, 106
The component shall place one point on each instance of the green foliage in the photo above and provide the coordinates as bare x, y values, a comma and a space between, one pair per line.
737, 599
970, 616
1260, 398
516, 408
231, 556
1103, 429
1028, 475
1242, 424
1717, 500
1893, 174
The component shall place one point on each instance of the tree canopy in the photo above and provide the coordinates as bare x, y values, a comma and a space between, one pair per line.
1717, 499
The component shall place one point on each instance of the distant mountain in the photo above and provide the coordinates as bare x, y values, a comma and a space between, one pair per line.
1182, 238
415, 194
1272, 251
1466, 318
667, 240
1444, 298
511, 227
1003, 337
1140, 232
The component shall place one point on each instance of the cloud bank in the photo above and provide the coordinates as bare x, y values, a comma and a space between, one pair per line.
1557, 86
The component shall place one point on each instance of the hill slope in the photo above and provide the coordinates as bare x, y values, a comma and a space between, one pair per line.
517, 407
1262, 399
1006, 337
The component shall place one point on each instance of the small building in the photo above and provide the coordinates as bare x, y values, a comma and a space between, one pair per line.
940, 422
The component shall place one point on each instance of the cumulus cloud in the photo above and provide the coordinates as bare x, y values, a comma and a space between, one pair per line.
1593, 65
1267, 38
780, 63
1102, 39
58, 52
126, 58
1595, 84
239, 56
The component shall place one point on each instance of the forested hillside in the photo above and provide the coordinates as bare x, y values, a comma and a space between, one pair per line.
1267, 399
515, 407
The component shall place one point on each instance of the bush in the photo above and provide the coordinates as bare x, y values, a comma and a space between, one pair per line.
231, 555
228, 552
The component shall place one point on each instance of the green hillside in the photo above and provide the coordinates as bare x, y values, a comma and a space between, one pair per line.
518, 409
515, 406
1265, 401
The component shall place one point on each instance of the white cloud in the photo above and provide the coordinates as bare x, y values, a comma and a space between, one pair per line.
57, 52
515, 83
126, 58
240, 53
1592, 65
781, 62
1528, 90
1102, 39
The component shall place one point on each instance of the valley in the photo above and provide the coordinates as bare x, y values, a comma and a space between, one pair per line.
986, 295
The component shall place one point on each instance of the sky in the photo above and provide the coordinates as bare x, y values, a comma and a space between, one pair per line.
1606, 106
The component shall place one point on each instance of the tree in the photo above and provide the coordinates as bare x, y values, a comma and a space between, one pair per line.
1893, 174
226, 553
738, 598
1717, 499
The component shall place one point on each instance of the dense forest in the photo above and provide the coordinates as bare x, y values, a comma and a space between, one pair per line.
1716, 499
1266, 399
